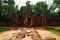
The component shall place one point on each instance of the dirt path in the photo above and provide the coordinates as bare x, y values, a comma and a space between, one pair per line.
45, 33
13, 33
9, 34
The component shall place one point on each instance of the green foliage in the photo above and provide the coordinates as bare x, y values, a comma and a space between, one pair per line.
27, 3
16, 9
11, 2
58, 12
0, 6
5, 8
40, 6
57, 1
52, 9
23, 9
8, 6
55, 5
54, 29
5, 1
33, 8
3, 28
54, 15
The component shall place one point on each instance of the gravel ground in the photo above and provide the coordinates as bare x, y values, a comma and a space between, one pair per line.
13, 33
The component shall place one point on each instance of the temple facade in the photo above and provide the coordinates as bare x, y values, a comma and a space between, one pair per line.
27, 19
33, 19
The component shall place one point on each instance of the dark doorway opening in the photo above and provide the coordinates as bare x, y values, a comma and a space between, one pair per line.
29, 21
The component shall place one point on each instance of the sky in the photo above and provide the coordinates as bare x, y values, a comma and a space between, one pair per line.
23, 2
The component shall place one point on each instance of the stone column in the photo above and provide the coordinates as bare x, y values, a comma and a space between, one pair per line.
31, 21
26, 21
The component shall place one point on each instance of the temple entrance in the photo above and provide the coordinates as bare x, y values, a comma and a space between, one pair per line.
28, 21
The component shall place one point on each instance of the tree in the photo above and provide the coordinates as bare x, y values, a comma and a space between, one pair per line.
27, 3
57, 1
7, 6
58, 12
11, 4
41, 7
23, 9
0, 6
54, 6
16, 10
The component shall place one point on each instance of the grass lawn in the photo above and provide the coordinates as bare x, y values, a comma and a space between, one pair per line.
54, 29
3, 29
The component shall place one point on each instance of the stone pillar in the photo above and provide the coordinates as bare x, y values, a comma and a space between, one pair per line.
31, 21
26, 21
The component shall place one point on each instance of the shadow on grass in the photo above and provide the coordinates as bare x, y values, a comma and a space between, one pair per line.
54, 29
3, 29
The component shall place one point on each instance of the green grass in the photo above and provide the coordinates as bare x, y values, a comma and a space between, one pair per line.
3, 29
54, 29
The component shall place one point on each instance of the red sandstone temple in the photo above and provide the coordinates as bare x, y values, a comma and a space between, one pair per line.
33, 19
27, 19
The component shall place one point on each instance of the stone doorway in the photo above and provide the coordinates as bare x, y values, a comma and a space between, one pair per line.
29, 21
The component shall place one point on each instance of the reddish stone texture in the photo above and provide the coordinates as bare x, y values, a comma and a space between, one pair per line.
32, 35
27, 19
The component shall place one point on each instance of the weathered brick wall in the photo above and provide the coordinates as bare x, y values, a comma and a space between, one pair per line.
53, 23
